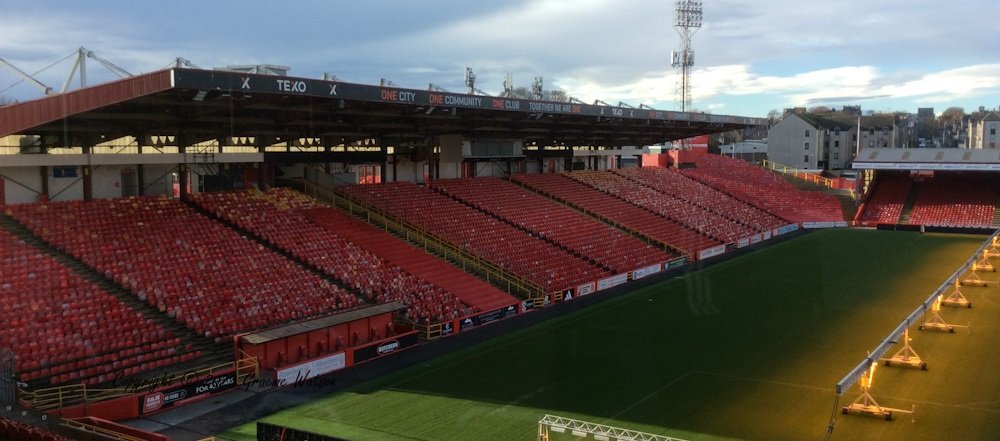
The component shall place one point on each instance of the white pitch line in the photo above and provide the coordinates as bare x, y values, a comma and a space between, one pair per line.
761, 380
979, 403
649, 395
526, 396
935, 403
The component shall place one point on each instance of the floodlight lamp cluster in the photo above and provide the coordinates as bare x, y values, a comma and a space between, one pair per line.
688, 14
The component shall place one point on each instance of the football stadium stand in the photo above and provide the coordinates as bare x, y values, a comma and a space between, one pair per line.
479, 295
697, 218
551, 267
279, 216
190, 267
580, 233
618, 212
956, 200
118, 259
11, 430
939, 199
64, 329
885, 206
671, 182
765, 190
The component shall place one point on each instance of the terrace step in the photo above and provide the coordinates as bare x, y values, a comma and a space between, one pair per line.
911, 200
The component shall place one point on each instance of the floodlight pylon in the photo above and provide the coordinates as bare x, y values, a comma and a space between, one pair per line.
687, 21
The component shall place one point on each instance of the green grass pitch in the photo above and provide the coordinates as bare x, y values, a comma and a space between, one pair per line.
749, 349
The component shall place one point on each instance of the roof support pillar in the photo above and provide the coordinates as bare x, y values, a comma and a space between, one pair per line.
140, 176
264, 170
88, 171
182, 169
44, 195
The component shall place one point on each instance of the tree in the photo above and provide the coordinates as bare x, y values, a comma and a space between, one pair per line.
819, 109
773, 115
952, 115
557, 95
521, 92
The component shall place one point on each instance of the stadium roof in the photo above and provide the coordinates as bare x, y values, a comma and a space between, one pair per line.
283, 331
928, 159
213, 104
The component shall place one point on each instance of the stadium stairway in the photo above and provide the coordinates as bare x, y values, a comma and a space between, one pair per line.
212, 353
468, 288
996, 213
911, 200
527, 231
278, 250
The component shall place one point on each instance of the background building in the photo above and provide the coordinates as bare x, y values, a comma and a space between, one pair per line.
983, 132
808, 142
753, 151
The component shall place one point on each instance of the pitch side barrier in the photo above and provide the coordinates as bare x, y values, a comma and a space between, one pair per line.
274, 432
603, 284
462, 324
914, 317
747, 241
827, 224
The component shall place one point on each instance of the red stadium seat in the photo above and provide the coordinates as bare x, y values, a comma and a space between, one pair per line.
278, 217
764, 189
89, 322
480, 234
618, 211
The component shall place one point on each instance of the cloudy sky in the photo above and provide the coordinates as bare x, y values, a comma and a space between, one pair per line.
751, 56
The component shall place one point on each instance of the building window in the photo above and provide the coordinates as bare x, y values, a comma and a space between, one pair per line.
807, 133
836, 143
807, 146
836, 155
807, 159
993, 130
871, 143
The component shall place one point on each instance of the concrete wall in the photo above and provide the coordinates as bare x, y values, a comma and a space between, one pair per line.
158, 179
407, 170
21, 184
107, 182
65, 189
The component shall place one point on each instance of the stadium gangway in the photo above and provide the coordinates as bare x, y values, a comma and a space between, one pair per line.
581, 428
897, 334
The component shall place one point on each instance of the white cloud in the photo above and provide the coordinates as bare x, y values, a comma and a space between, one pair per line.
823, 86
948, 85
776, 53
